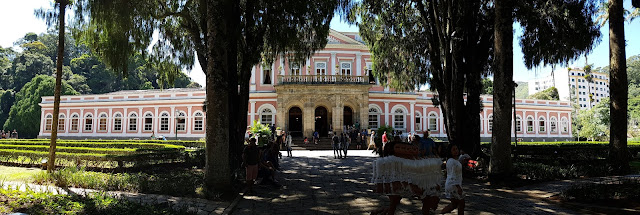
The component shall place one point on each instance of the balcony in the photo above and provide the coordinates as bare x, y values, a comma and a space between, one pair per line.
322, 79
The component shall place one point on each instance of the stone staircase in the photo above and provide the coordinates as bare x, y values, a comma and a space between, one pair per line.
323, 144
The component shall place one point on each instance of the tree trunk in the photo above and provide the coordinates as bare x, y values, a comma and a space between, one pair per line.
500, 164
56, 102
217, 169
618, 152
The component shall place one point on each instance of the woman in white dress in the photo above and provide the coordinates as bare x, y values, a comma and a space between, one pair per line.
453, 185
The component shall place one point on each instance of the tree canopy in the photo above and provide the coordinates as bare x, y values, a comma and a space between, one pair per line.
25, 112
548, 94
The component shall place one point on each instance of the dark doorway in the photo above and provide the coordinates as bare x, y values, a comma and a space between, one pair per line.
347, 116
295, 121
321, 121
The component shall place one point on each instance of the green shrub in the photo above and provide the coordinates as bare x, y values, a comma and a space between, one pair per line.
556, 171
31, 202
600, 192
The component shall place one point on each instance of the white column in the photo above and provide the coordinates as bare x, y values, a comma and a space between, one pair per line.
252, 112
333, 64
140, 121
569, 124
188, 124
172, 130
96, 123
280, 71
42, 121
125, 121
524, 122
536, 124
413, 117
110, 121
559, 122
67, 122
253, 75
484, 119
358, 64
306, 67
156, 121
547, 125
81, 122
441, 122
386, 113
424, 118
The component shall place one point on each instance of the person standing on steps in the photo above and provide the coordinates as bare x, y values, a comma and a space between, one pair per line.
372, 141
316, 137
288, 144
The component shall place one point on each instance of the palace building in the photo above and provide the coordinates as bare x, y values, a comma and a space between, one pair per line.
332, 88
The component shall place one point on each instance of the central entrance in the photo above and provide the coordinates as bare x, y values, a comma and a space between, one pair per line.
347, 116
321, 121
295, 121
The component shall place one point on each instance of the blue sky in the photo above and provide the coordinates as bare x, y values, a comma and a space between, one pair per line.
18, 19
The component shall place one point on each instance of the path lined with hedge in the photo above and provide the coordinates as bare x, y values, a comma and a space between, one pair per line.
198, 206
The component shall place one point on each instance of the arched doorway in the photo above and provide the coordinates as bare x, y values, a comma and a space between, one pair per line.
347, 115
295, 121
321, 121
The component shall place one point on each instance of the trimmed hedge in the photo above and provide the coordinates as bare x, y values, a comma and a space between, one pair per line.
187, 143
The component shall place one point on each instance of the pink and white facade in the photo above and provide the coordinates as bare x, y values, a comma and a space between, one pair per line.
330, 89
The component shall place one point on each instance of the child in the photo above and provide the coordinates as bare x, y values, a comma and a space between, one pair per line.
306, 141
453, 185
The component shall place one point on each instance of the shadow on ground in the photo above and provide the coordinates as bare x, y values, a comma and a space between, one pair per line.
320, 184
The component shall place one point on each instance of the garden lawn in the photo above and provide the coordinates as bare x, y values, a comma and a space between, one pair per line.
18, 173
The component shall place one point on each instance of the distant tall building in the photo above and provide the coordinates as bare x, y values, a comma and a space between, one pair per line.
573, 83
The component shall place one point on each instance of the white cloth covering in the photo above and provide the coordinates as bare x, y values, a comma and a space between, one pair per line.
426, 174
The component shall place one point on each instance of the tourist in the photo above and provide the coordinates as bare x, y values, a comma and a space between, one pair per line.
250, 158
385, 140
268, 164
337, 153
306, 140
427, 145
372, 142
153, 135
2, 134
453, 185
288, 142
345, 144
358, 141
316, 137
357, 126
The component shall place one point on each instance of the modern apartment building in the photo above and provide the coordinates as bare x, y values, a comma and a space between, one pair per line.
574, 84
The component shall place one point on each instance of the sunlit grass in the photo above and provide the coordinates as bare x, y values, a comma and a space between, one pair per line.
18, 173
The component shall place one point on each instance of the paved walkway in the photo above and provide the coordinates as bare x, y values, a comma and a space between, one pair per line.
316, 183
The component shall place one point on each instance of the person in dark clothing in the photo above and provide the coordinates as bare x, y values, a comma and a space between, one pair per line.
346, 141
336, 146
250, 159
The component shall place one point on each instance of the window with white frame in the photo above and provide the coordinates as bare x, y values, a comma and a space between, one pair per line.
565, 125
433, 122
541, 124
182, 121
198, 122
266, 75
295, 68
553, 124
117, 122
398, 119
418, 121
374, 118
61, 119
48, 122
529, 124
518, 124
148, 122
133, 122
88, 122
266, 117
345, 68
102, 123
164, 122
321, 68
74, 122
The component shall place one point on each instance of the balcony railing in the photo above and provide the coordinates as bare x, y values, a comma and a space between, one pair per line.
322, 79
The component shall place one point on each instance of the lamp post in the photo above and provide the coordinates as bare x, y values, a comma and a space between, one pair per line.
177, 112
